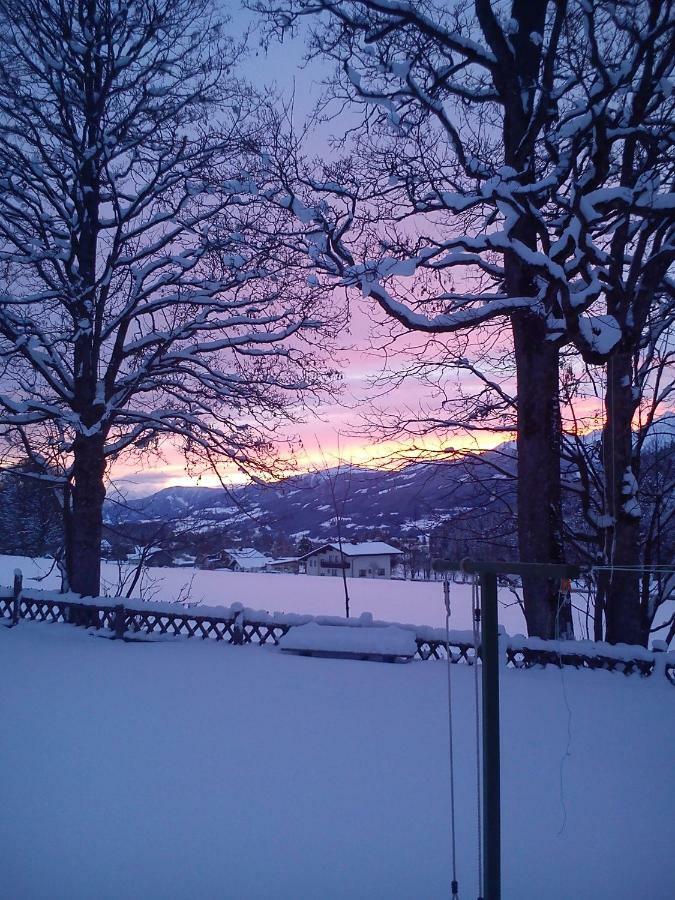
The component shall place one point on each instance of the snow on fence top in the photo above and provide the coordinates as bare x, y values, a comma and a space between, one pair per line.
237, 624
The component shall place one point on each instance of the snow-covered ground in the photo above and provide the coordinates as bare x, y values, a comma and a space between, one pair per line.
417, 602
392, 600
202, 770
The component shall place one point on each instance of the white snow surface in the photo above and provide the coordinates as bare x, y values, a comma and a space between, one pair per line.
198, 769
416, 602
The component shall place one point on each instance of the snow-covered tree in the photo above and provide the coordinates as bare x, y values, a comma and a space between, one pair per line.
587, 462
487, 163
146, 289
620, 218
455, 177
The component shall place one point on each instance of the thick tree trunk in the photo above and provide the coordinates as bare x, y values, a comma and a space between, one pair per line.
537, 358
623, 616
86, 516
88, 489
539, 490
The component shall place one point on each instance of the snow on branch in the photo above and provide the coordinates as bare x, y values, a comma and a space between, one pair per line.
148, 286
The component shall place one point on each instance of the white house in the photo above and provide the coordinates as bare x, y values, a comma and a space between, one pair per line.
246, 559
288, 564
370, 559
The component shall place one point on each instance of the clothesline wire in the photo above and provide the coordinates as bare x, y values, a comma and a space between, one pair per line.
476, 608
454, 888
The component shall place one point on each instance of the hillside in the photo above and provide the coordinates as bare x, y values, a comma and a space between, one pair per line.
473, 496
412, 499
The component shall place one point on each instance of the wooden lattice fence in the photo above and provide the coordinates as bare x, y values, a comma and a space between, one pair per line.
241, 627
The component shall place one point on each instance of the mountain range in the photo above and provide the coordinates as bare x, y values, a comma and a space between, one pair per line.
409, 500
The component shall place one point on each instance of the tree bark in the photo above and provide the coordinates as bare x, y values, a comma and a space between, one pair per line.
623, 615
539, 488
86, 516
537, 358
88, 489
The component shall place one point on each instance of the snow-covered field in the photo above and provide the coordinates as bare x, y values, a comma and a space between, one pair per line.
413, 602
200, 770
417, 602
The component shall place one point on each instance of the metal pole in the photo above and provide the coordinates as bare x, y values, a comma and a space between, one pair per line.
119, 621
18, 588
491, 783
488, 572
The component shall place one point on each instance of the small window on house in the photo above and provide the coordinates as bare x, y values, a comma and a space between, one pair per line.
380, 572
362, 573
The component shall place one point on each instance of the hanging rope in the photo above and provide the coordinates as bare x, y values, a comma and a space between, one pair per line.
563, 595
454, 886
475, 605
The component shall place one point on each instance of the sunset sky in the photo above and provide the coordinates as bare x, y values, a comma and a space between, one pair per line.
330, 431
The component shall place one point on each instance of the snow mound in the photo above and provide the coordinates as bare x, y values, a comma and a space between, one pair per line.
390, 641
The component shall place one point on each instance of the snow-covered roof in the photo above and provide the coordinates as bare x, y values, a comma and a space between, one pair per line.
365, 548
248, 558
283, 560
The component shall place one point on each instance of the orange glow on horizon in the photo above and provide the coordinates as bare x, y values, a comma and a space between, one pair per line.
384, 455
332, 448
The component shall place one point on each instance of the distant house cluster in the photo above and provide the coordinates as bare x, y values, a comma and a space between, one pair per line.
368, 559
248, 559
155, 557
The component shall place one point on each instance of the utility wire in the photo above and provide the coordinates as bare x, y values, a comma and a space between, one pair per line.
475, 602
454, 887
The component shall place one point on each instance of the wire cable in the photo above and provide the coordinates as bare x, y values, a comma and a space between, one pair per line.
564, 586
454, 887
664, 569
475, 603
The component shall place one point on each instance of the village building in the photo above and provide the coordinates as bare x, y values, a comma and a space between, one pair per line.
248, 559
156, 557
244, 559
288, 564
369, 559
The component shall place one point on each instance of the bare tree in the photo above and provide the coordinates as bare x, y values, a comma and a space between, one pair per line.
621, 216
458, 100
147, 290
489, 192
585, 461
337, 477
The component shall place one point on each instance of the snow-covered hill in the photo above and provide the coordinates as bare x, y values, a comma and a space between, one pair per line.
401, 501
408, 500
